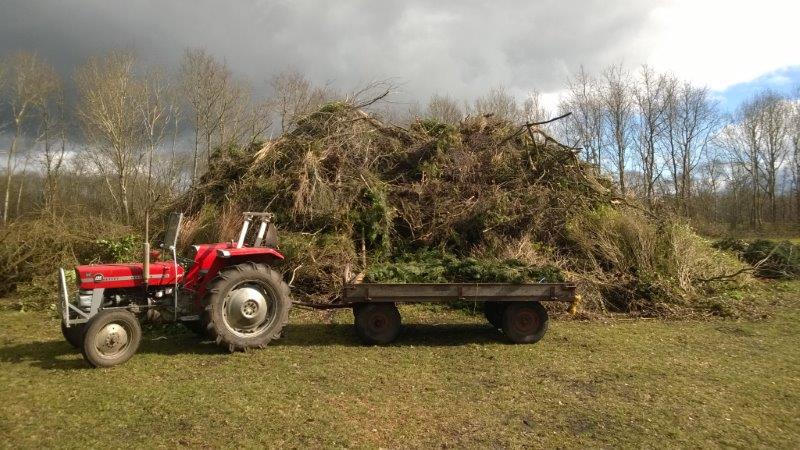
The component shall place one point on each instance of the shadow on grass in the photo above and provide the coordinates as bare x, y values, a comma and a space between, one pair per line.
59, 355
417, 335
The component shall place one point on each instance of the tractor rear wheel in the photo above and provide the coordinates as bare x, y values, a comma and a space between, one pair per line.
112, 337
377, 323
73, 334
525, 322
247, 306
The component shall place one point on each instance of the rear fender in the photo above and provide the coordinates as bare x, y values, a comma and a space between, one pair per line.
244, 254
225, 257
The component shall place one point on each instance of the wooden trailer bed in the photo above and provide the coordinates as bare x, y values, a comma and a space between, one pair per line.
513, 308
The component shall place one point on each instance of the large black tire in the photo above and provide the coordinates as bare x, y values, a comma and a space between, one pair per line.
377, 323
247, 306
525, 322
112, 337
494, 313
73, 334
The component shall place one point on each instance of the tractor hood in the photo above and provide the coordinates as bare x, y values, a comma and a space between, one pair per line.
110, 276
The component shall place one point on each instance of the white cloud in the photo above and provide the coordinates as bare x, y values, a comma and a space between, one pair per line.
720, 43
449, 47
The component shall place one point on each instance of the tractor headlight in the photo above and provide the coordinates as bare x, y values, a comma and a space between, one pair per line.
85, 299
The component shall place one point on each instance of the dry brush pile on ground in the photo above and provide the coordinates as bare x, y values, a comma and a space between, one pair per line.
32, 250
486, 200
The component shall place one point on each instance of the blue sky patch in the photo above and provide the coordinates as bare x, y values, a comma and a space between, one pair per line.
782, 81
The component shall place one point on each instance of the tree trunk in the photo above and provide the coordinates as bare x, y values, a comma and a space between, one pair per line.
196, 149
9, 173
123, 192
19, 194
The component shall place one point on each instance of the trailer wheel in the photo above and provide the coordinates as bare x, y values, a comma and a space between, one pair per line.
112, 337
248, 306
525, 322
494, 313
73, 334
377, 323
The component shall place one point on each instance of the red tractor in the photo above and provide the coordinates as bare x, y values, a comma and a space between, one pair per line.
226, 291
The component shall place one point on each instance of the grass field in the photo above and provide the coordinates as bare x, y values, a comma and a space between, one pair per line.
450, 381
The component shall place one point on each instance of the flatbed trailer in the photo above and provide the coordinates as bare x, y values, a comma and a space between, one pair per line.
514, 308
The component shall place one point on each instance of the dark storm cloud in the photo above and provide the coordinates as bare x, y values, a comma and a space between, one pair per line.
461, 48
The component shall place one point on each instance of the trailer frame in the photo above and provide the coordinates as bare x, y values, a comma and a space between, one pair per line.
515, 308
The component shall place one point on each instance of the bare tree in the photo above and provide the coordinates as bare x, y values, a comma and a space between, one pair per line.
29, 80
212, 95
742, 139
499, 103
444, 109
110, 96
773, 115
294, 96
532, 108
21, 185
650, 102
244, 121
50, 110
795, 141
586, 125
618, 117
157, 107
710, 186
692, 120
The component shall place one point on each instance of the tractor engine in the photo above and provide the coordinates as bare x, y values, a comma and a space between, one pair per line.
116, 285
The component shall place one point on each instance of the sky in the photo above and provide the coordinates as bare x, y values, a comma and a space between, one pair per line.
460, 48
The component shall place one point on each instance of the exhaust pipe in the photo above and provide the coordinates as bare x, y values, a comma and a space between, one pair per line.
146, 265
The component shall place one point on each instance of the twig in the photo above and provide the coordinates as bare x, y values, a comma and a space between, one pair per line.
529, 124
291, 281
755, 267
370, 102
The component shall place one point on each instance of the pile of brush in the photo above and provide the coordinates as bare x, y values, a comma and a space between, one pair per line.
516, 205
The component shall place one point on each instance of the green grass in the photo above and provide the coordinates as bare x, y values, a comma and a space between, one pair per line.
449, 381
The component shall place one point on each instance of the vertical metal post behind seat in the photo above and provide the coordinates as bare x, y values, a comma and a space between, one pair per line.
261, 230
245, 226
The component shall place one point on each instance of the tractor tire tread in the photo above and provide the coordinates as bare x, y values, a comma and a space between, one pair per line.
219, 287
102, 318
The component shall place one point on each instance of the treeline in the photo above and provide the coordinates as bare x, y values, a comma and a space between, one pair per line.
119, 137
669, 143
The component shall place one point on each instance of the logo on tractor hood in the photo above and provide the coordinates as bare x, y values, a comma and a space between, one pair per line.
98, 278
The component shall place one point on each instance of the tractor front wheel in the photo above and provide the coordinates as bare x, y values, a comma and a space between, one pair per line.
247, 306
112, 337
73, 334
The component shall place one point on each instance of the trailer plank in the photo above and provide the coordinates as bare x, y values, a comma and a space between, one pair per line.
441, 292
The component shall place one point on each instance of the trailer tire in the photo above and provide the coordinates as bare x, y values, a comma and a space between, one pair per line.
247, 306
377, 323
494, 313
73, 334
525, 322
112, 337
